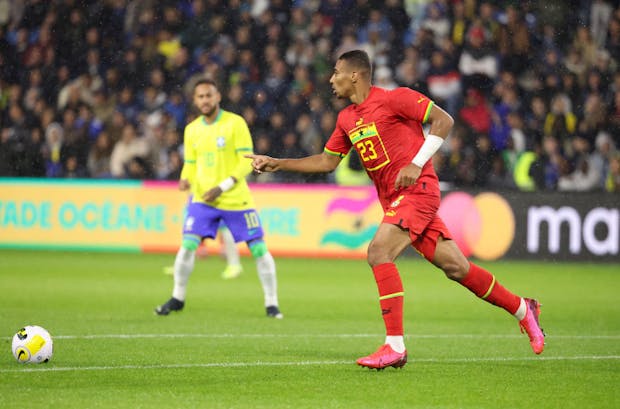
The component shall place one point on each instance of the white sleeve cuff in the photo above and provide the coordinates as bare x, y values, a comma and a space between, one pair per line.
431, 144
227, 184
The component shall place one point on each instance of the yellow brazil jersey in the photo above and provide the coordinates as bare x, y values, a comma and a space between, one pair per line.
213, 152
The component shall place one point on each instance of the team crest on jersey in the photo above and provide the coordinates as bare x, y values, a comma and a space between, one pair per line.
397, 201
220, 141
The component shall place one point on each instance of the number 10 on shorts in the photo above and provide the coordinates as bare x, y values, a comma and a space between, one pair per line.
251, 220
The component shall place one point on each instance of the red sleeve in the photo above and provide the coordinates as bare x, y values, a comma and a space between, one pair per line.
410, 104
338, 143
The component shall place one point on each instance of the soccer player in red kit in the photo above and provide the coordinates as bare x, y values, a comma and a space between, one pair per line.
385, 127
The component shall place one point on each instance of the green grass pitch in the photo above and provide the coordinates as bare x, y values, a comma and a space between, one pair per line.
111, 351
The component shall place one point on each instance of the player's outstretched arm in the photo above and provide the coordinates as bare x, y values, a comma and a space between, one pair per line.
320, 163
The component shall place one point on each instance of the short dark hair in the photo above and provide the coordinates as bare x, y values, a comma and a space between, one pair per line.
357, 59
205, 81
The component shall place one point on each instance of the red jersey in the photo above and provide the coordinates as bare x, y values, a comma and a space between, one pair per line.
386, 131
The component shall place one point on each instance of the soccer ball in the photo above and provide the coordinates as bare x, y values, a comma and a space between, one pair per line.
32, 344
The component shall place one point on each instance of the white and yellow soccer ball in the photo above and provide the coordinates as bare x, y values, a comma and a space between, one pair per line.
32, 344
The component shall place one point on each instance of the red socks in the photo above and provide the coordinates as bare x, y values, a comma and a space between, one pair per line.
482, 283
478, 280
391, 295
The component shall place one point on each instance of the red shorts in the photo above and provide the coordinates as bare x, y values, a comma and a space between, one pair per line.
418, 214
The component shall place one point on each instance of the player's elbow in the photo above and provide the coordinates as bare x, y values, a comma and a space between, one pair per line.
449, 120
441, 121
328, 163
330, 168
446, 121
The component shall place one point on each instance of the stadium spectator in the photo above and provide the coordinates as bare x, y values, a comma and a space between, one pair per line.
444, 82
175, 165
487, 20
92, 126
535, 117
478, 64
53, 150
514, 42
396, 14
585, 47
517, 139
584, 176
600, 158
476, 114
99, 156
128, 105
549, 164
33, 156
612, 43
499, 177
560, 122
483, 155
103, 107
309, 136
600, 14
437, 22
72, 168
500, 129
129, 146
138, 168
411, 70
593, 118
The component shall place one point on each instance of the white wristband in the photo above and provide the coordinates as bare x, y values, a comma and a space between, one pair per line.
427, 150
227, 184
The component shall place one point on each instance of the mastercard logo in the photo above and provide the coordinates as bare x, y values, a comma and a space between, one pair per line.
482, 226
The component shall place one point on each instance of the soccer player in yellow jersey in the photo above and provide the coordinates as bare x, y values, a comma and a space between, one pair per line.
214, 171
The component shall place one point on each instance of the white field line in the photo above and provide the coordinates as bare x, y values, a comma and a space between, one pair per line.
41, 368
324, 336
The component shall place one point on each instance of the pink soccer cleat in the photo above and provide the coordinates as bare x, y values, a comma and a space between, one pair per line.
384, 357
530, 325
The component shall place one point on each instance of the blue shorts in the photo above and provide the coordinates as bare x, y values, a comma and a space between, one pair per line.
203, 221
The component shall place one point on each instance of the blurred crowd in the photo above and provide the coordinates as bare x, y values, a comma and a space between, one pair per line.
102, 88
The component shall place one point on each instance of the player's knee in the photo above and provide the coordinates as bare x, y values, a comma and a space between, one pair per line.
451, 260
257, 248
376, 255
455, 269
189, 244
